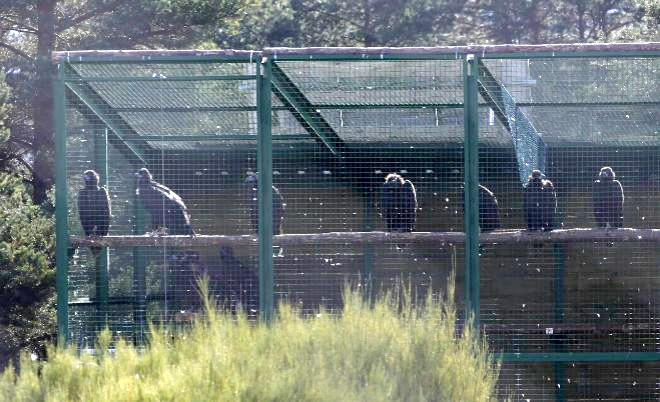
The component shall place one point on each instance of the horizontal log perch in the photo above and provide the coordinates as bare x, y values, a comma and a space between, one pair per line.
500, 237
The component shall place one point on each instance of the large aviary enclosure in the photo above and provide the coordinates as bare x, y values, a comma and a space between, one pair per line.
573, 312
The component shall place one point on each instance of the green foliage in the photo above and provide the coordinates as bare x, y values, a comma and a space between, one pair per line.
391, 351
31, 29
4, 110
26, 259
646, 30
555, 21
439, 22
342, 23
27, 276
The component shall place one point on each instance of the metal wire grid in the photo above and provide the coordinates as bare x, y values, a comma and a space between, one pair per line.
390, 118
602, 381
404, 117
196, 136
579, 296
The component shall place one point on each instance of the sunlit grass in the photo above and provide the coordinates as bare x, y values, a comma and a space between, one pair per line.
391, 350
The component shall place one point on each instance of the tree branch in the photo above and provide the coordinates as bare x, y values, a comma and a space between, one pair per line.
23, 27
334, 16
16, 51
499, 237
88, 15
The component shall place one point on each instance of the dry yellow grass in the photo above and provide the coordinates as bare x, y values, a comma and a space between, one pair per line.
389, 351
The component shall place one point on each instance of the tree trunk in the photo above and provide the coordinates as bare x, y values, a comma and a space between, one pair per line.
581, 27
42, 102
368, 38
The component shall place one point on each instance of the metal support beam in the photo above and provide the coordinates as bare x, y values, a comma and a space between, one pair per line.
368, 248
560, 259
102, 260
580, 357
129, 143
471, 177
493, 93
305, 112
61, 211
503, 104
178, 78
265, 202
139, 277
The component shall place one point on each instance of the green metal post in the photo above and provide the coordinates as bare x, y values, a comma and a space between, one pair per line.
139, 278
559, 256
61, 210
101, 166
471, 169
368, 250
265, 168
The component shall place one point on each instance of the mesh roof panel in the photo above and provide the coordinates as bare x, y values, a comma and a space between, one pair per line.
373, 82
611, 125
147, 70
344, 90
579, 80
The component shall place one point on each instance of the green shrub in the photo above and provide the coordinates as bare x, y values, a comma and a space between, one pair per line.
27, 272
388, 351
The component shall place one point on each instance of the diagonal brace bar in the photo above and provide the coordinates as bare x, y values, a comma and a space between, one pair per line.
305, 112
131, 146
525, 136
493, 93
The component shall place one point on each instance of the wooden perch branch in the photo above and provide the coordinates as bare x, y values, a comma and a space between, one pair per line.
500, 237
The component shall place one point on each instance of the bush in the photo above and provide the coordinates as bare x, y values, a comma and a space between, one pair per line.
27, 272
389, 351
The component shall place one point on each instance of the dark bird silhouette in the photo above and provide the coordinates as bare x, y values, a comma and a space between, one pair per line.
185, 269
94, 208
549, 212
540, 202
166, 208
489, 213
239, 284
608, 199
279, 206
398, 204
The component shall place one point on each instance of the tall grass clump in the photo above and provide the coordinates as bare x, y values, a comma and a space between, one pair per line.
389, 350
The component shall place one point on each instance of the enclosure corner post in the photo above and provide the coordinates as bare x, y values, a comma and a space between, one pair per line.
101, 165
61, 211
139, 277
471, 189
265, 197
368, 249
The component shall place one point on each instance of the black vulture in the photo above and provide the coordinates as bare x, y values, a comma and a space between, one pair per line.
94, 208
549, 207
279, 205
489, 214
399, 204
533, 200
239, 284
164, 205
608, 199
185, 269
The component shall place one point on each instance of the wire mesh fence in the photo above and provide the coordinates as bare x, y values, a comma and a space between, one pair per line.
379, 159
